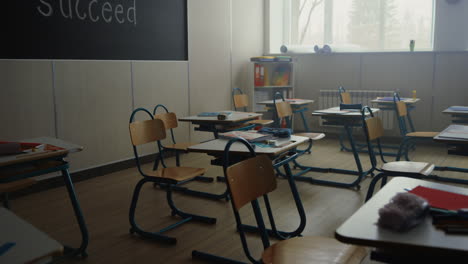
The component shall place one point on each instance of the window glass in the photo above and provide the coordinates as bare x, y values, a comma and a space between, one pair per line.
364, 25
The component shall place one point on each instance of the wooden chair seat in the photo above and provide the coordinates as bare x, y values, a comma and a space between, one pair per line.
16, 185
312, 250
423, 134
260, 122
422, 168
179, 146
313, 136
177, 173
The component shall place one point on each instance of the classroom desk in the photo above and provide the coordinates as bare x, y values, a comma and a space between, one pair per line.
459, 114
424, 242
212, 124
21, 166
347, 119
30, 244
279, 156
456, 145
297, 105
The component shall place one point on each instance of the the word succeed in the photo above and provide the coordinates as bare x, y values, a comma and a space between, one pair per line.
90, 10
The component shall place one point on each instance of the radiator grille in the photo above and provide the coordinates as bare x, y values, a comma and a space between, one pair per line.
330, 98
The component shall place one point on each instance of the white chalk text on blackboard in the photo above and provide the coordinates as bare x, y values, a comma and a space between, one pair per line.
91, 10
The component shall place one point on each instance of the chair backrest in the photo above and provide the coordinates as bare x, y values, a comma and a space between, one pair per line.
241, 100
283, 109
142, 132
250, 179
373, 129
402, 114
345, 97
401, 108
169, 120
146, 131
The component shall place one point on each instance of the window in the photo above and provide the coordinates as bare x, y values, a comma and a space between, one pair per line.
354, 25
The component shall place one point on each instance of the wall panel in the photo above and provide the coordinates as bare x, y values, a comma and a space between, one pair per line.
403, 73
26, 99
209, 58
93, 105
158, 82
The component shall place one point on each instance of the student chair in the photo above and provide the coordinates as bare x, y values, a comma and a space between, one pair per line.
170, 123
373, 129
345, 97
7, 188
253, 178
409, 135
153, 131
241, 102
284, 112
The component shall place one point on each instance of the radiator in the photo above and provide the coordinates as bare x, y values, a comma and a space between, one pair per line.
331, 98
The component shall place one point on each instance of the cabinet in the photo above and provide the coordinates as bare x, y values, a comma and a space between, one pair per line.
268, 77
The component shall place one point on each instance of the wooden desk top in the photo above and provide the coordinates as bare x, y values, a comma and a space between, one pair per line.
30, 243
361, 229
232, 118
216, 147
293, 102
458, 112
26, 157
336, 112
457, 134
406, 100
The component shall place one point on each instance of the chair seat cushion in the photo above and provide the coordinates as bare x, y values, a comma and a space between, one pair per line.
312, 250
313, 136
422, 168
16, 185
423, 134
260, 122
180, 146
177, 173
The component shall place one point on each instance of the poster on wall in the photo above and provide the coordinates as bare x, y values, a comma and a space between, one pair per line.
94, 29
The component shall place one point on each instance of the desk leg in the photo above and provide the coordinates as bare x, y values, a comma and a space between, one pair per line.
79, 217
359, 173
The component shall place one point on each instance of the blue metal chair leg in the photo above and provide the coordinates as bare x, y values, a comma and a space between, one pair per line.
176, 211
135, 228
372, 184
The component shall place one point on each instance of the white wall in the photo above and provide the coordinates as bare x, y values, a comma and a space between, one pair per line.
439, 78
89, 102
450, 31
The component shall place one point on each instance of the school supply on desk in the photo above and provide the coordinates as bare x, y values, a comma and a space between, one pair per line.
211, 114
277, 132
391, 99
442, 199
263, 58
403, 212
250, 136
351, 107
459, 108
455, 132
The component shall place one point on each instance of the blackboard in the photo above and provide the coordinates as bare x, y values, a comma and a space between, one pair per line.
94, 29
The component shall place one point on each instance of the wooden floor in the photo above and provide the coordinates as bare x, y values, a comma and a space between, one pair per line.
105, 202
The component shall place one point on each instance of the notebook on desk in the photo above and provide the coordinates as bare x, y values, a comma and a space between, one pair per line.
455, 132
441, 199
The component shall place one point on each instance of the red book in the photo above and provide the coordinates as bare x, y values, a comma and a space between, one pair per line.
442, 199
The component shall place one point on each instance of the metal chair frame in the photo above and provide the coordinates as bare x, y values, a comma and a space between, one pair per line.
169, 185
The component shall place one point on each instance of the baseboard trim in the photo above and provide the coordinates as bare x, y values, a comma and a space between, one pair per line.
83, 175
